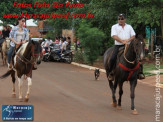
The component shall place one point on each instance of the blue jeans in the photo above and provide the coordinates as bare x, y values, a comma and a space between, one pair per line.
1, 41
10, 52
59, 53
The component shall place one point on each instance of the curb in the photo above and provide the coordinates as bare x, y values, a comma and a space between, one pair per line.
103, 70
88, 67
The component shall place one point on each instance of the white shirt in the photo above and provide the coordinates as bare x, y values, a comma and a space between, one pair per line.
48, 42
123, 33
19, 36
64, 45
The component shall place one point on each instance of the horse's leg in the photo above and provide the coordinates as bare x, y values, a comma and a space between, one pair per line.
113, 89
4, 58
29, 87
120, 95
132, 89
13, 81
20, 88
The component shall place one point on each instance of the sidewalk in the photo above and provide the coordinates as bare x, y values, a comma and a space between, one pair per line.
150, 80
155, 71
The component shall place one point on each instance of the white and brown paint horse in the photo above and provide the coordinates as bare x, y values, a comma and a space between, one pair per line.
24, 60
5, 47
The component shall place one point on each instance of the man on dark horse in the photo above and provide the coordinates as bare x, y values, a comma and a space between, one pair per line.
123, 34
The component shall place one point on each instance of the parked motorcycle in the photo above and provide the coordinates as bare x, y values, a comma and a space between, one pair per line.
52, 54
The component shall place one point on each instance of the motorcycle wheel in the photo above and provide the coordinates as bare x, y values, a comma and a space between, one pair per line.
45, 59
69, 58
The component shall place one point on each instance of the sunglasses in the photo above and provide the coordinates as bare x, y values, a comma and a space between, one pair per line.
120, 18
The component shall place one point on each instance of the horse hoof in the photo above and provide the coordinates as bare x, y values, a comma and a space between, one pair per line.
114, 104
134, 112
26, 99
119, 108
20, 99
14, 95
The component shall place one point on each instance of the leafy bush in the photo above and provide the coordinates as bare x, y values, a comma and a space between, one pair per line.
78, 57
91, 40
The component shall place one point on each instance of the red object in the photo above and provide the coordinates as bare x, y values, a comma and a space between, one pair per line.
43, 51
130, 70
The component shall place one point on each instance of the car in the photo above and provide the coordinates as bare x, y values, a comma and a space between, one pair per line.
36, 39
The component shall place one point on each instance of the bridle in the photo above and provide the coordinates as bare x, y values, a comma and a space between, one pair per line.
26, 61
124, 54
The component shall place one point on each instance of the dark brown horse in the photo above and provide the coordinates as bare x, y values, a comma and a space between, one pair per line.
126, 69
24, 60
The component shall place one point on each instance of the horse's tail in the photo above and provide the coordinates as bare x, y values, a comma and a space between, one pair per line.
6, 74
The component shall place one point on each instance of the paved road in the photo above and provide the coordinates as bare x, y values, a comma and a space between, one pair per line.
67, 93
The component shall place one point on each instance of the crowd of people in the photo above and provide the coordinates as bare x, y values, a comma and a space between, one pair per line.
63, 44
20, 34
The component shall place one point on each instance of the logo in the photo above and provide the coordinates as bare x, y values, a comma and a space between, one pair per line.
17, 112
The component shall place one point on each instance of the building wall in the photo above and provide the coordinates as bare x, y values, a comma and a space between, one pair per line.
34, 31
68, 33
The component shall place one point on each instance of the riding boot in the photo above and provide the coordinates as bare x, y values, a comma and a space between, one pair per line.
11, 65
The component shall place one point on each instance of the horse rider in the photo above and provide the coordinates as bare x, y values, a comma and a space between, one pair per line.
122, 33
5, 34
63, 45
18, 36
48, 42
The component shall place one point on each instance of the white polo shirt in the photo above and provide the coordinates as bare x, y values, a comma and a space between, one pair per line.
123, 33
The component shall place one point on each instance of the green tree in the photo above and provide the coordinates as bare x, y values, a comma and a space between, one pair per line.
91, 41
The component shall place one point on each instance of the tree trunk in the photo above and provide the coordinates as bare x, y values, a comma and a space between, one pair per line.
152, 46
162, 20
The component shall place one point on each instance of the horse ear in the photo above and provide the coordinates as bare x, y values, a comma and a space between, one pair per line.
33, 42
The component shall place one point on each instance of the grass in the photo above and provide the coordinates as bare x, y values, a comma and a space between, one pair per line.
149, 67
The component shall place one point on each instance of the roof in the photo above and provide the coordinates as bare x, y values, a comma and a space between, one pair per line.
30, 22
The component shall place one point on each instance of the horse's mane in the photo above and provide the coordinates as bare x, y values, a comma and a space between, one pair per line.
140, 37
22, 48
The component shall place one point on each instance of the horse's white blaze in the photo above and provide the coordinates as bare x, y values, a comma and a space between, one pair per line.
141, 55
20, 87
141, 42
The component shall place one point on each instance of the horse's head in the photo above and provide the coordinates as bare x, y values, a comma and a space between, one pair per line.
139, 47
37, 51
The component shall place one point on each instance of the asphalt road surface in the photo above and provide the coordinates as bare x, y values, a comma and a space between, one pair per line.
67, 93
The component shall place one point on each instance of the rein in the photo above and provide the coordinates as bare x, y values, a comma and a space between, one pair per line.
131, 62
27, 61
124, 55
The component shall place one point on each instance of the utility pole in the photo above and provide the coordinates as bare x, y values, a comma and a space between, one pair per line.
162, 19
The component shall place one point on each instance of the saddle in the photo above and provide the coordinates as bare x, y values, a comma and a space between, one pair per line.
120, 52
